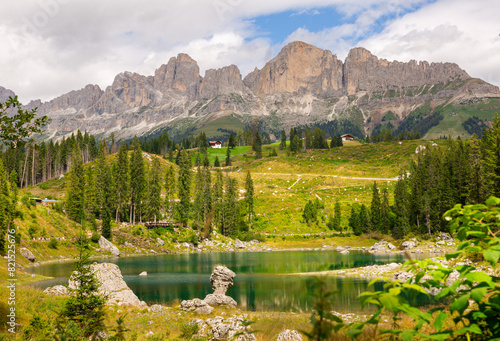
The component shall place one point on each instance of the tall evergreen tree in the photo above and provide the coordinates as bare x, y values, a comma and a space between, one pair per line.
198, 198
231, 143
231, 208
491, 155
154, 192
218, 195
207, 194
385, 213
283, 140
90, 196
375, 208
319, 139
249, 198
257, 145
184, 187
216, 161
76, 185
228, 157
121, 175
364, 219
338, 217
107, 193
354, 220
137, 180
169, 191
402, 224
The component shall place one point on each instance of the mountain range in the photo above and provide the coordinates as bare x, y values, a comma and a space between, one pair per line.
302, 85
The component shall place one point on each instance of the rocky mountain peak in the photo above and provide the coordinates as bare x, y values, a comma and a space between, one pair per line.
181, 74
222, 81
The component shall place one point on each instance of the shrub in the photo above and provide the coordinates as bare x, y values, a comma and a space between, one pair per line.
53, 244
95, 237
189, 329
32, 230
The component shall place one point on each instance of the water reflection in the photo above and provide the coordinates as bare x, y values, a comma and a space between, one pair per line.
258, 284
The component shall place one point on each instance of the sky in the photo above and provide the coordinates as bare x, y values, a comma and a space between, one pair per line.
51, 47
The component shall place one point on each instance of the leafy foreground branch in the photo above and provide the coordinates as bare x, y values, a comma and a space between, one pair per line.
467, 299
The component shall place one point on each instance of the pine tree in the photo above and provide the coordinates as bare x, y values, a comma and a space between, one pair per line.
76, 185
216, 162
6, 206
354, 221
231, 143
257, 145
249, 198
85, 307
228, 157
218, 196
184, 187
319, 139
337, 218
375, 208
402, 224
154, 193
333, 142
107, 193
198, 198
121, 175
169, 191
385, 211
283, 140
137, 179
296, 144
207, 194
308, 139
89, 195
310, 213
231, 208
364, 219
490, 147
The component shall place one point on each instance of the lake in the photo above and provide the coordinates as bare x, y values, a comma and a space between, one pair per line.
259, 283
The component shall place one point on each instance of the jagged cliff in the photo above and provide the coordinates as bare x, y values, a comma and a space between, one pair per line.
300, 85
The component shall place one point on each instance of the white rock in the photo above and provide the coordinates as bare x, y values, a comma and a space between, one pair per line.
112, 285
239, 244
289, 335
196, 305
220, 300
58, 290
107, 245
160, 241
144, 273
27, 254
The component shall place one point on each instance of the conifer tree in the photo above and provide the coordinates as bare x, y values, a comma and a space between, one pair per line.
257, 145
401, 225
121, 175
231, 142
354, 220
337, 218
319, 139
154, 193
169, 191
218, 192
76, 185
283, 140
375, 208
216, 162
228, 157
231, 208
296, 144
333, 142
184, 186
198, 198
107, 193
207, 192
310, 213
90, 197
385, 211
490, 147
364, 219
6, 207
137, 179
249, 198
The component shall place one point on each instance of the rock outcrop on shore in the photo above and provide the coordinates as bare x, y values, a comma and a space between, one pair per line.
107, 245
112, 285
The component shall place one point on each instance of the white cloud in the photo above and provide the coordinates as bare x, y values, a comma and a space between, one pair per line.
51, 47
460, 31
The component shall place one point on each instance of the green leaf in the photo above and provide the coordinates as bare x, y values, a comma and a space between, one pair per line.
390, 302
439, 321
492, 201
477, 294
353, 333
473, 328
437, 336
460, 304
408, 335
477, 234
451, 255
479, 277
442, 293
491, 255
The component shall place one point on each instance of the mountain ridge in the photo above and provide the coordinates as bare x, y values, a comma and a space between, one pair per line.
301, 84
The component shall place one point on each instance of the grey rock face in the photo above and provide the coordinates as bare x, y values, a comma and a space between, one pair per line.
196, 305
239, 244
226, 329
27, 254
58, 290
112, 285
408, 244
221, 279
289, 335
107, 245
160, 241
226, 80
220, 300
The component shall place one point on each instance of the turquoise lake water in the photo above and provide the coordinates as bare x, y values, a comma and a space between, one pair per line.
259, 284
